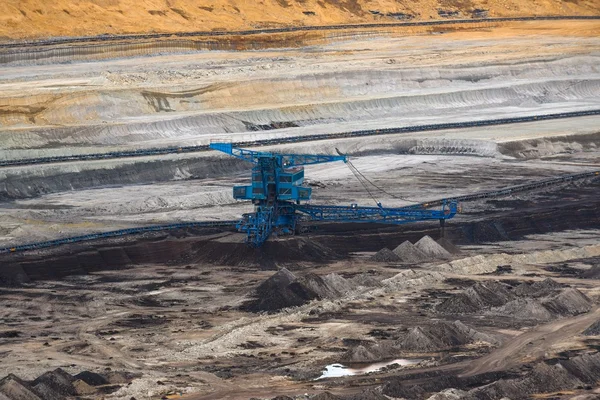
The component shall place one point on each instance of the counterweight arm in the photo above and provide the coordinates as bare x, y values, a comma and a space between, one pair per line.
287, 160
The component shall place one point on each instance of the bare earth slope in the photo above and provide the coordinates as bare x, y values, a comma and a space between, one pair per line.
36, 19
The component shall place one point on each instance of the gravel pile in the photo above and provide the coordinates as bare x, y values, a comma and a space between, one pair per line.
366, 353
592, 273
448, 246
426, 249
385, 255
281, 290
477, 297
407, 252
55, 385
481, 264
524, 309
538, 289
539, 301
431, 248
440, 336
411, 278
542, 379
14, 388
566, 375
284, 289
593, 330
326, 396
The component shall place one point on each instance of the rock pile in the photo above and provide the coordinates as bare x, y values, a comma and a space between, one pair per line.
411, 278
407, 252
593, 330
430, 247
441, 336
577, 372
284, 289
426, 249
385, 255
448, 246
58, 385
568, 374
538, 301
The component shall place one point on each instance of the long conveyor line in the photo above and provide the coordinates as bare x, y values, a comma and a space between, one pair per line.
157, 228
295, 139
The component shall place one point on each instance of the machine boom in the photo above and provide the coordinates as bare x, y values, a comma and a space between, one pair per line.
277, 192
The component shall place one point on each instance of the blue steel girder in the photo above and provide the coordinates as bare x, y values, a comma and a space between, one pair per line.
376, 214
286, 160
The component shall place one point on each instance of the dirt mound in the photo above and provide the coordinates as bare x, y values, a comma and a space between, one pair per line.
593, 330
411, 278
448, 246
326, 396
573, 373
538, 289
341, 284
477, 297
569, 301
284, 289
82, 388
361, 354
13, 387
407, 252
364, 351
323, 287
55, 384
430, 247
449, 394
368, 394
440, 336
540, 301
592, 273
91, 378
542, 379
385, 255
523, 309
365, 280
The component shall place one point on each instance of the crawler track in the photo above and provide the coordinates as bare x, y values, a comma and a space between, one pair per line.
230, 224
295, 139
113, 38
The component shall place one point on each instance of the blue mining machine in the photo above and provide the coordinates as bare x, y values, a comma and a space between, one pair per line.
278, 193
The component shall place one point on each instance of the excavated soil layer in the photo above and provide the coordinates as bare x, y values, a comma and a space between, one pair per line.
332, 242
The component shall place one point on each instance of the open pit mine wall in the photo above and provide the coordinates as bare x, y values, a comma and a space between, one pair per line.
92, 17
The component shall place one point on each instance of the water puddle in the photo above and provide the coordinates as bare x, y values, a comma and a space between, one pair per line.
338, 370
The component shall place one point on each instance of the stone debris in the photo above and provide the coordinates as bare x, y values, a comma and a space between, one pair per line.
570, 374
440, 336
411, 278
407, 252
431, 248
326, 396
593, 330
284, 289
524, 309
15, 388
58, 385
448, 394
485, 264
385, 255
448, 245
540, 301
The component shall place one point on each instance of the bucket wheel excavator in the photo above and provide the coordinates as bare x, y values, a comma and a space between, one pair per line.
280, 197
